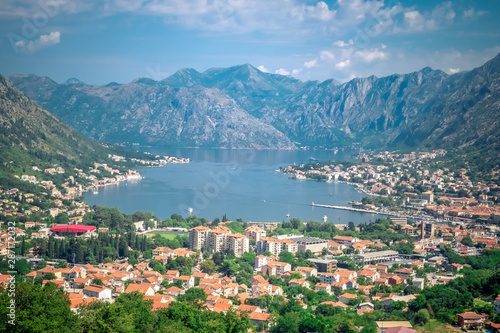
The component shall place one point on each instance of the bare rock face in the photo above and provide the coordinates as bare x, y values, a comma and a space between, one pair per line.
241, 107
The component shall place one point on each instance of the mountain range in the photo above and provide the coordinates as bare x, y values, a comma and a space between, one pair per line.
242, 107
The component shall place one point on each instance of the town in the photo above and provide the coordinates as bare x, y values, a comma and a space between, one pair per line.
383, 276
411, 185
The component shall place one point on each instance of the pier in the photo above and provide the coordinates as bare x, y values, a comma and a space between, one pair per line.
354, 209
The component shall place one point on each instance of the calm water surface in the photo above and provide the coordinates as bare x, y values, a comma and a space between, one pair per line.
238, 183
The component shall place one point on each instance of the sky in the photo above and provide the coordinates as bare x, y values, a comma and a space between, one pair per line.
120, 40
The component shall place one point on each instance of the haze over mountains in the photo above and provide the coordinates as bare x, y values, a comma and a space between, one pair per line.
242, 107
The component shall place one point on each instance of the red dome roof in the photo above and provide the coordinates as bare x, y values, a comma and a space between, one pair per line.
72, 228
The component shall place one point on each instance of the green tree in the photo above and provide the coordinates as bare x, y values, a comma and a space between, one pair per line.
97, 281
422, 316
194, 295
38, 309
147, 254
208, 266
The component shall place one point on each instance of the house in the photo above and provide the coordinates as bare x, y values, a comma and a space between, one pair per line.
405, 272
222, 305
471, 319
187, 281
248, 308
99, 292
345, 274
341, 284
307, 271
419, 282
146, 289
367, 305
162, 251
174, 291
322, 287
351, 284
328, 277
346, 298
276, 268
345, 240
394, 280
258, 318
397, 298
336, 304
79, 281
298, 282
369, 275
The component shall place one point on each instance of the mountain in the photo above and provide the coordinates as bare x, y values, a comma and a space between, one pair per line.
194, 111
241, 107
32, 136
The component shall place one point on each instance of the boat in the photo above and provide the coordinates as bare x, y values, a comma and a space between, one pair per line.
287, 216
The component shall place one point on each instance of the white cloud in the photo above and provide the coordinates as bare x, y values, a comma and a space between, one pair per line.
341, 43
311, 64
370, 55
44, 41
282, 71
326, 55
453, 70
415, 21
296, 71
472, 14
343, 64
320, 11
263, 69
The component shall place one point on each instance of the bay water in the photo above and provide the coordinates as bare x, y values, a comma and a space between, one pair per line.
237, 183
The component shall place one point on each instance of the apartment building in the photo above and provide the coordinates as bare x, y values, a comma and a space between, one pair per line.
255, 233
198, 237
276, 246
219, 239
238, 243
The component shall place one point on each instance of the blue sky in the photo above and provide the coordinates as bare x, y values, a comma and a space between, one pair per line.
118, 40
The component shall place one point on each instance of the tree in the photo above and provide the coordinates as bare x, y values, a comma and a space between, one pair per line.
288, 323
296, 223
422, 316
351, 226
50, 276
208, 266
97, 281
61, 264
147, 254
194, 295
467, 241
229, 267
218, 257
23, 247
38, 309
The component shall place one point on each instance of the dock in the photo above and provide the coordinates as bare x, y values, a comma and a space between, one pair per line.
354, 209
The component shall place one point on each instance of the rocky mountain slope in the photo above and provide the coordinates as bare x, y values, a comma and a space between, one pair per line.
32, 136
241, 107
